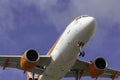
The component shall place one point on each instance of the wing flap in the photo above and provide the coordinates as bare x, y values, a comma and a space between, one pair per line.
73, 74
11, 58
14, 62
80, 65
111, 71
11, 64
83, 66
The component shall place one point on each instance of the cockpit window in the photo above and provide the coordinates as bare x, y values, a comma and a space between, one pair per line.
81, 16
84, 16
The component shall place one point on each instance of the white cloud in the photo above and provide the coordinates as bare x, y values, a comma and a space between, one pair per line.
6, 24
51, 10
60, 18
102, 9
62, 13
6, 17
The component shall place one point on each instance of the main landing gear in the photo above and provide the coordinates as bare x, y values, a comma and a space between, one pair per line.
80, 45
78, 74
33, 77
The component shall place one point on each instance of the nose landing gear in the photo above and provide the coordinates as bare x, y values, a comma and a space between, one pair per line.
82, 54
80, 45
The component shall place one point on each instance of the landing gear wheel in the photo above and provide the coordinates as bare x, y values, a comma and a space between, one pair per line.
82, 54
80, 45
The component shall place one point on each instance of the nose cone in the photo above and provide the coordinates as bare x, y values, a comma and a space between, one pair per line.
90, 25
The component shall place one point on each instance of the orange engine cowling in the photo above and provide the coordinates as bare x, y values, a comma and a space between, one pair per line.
29, 59
97, 67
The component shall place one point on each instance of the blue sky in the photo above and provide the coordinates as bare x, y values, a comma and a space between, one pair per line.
37, 24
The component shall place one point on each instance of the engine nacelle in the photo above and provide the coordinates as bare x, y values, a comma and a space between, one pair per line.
100, 63
97, 67
29, 59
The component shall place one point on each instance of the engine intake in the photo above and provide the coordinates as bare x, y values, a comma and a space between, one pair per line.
97, 67
32, 55
100, 63
29, 59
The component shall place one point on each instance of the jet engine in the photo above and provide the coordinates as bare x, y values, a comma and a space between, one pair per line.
97, 67
29, 59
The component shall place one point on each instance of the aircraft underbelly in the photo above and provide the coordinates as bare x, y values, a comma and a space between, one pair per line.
59, 68
61, 64
64, 54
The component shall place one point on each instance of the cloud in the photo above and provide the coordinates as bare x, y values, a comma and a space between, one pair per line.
6, 16
22, 25
33, 23
107, 18
60, 12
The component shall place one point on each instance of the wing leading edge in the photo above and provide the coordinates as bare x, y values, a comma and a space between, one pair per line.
79, 69
14, 62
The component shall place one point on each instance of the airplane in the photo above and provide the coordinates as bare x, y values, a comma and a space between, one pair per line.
62, 59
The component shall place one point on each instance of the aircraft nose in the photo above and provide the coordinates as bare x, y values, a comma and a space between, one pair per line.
88, 29
90, 25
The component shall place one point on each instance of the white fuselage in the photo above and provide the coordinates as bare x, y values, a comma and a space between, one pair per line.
65, 51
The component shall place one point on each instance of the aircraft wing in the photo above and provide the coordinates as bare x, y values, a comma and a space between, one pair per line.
14, 62
82, 67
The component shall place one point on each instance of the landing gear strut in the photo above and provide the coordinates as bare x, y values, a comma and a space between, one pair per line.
80, 45
33, 77
33, 74
78, 74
